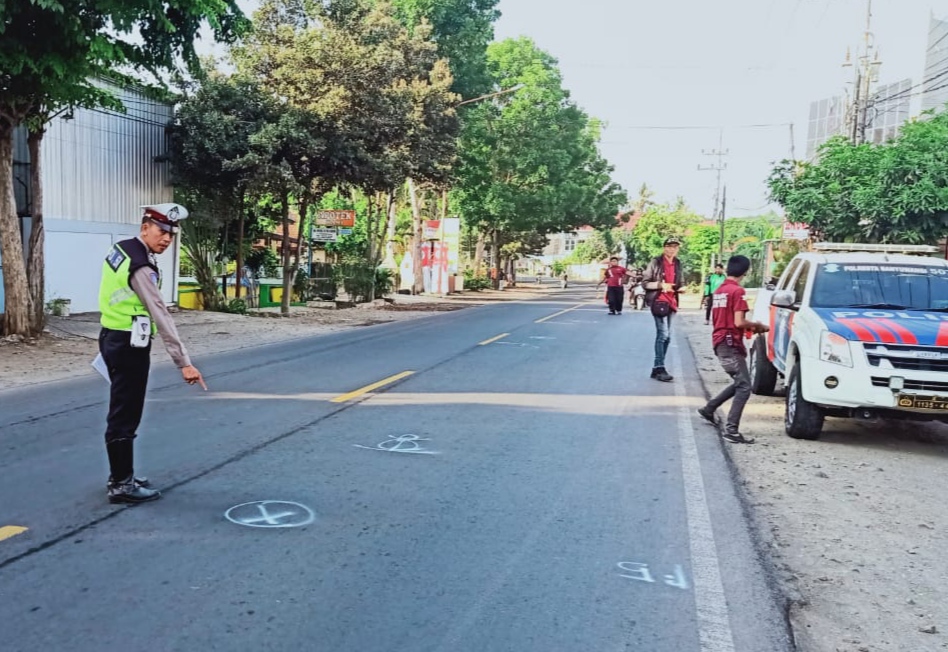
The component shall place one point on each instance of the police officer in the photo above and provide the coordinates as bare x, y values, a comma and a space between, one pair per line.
133, 311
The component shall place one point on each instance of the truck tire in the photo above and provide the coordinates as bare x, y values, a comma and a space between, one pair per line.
762, 372
802, 419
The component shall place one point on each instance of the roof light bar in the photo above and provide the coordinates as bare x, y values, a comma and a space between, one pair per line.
876, 248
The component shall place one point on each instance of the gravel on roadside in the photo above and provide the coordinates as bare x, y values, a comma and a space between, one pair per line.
854, 524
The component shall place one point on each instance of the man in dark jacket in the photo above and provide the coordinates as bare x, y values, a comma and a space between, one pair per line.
663, 282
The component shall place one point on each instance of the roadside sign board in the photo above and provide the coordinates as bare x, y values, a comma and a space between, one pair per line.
796, 231
345, 231
335, 218
432, 230
324, 235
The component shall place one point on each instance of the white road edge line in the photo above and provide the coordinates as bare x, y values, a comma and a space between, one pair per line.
714, 624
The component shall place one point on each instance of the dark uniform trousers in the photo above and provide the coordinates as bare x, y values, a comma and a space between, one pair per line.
128, 371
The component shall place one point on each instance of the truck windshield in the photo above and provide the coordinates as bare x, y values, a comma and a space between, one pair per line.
882, 286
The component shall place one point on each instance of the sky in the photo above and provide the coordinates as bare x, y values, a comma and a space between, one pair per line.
652, 70
641, 66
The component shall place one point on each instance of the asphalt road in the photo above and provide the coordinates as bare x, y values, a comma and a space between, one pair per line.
526, 487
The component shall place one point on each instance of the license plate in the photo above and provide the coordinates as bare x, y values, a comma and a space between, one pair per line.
922, 402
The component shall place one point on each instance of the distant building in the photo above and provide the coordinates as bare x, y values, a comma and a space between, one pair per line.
892, 105
889, 109
935, 85
827, 119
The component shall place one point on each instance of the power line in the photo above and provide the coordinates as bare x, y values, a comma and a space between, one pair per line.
697, 127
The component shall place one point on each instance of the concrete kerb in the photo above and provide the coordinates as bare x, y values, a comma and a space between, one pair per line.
778, 575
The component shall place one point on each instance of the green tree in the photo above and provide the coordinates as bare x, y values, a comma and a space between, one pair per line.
50, 54
212, 169
377, 96
462, 30
529, 161
893, 192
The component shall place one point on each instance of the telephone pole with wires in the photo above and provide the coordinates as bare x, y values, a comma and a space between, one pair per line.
866, 68
720, 166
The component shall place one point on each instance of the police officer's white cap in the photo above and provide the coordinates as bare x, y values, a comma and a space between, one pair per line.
164, 216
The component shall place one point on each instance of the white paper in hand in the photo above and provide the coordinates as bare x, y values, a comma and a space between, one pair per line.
99, 365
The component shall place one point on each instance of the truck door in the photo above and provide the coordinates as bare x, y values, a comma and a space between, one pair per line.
781, 319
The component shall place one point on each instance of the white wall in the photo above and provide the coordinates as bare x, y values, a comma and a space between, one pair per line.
74, 255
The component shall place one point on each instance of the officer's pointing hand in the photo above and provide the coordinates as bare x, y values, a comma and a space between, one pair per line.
192, 375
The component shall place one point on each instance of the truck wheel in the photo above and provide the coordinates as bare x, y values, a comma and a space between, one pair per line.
802, 419
762, 372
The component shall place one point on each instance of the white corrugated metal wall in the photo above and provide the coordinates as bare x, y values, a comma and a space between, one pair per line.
99, 167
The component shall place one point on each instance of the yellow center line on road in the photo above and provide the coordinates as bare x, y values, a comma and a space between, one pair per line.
8, 531
493, 339
368, 388
561, 312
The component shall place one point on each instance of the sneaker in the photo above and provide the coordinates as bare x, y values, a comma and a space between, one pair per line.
612, 312
619, 312
662, 375
707, 323
737, 438
130, 492
707, 415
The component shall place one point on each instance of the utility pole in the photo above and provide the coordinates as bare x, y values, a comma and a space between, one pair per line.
721, 242
866, 68
718, 167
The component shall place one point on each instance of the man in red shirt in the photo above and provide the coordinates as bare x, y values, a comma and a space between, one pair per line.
729, 312
614, 278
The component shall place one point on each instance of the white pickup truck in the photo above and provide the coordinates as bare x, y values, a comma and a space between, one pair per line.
856, 331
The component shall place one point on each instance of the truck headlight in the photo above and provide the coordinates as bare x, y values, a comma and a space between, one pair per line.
835, 348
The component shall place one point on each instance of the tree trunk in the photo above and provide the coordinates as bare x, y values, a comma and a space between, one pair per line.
240, 242
16, 316
36, 262
479, 252
418, 284
495, 259
370, 243
303, 207
444, 204
287, 256
386, 235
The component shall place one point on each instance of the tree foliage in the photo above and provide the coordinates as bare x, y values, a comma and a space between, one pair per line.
529, 160
462, 30
51, 54
896, 192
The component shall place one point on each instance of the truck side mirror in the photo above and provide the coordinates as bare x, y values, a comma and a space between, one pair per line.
783, 299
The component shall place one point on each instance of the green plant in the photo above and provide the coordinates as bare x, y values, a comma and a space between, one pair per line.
263, 262
235, 306
57, 307
475, 282
384, 282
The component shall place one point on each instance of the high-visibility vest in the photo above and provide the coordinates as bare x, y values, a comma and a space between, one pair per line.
118, 302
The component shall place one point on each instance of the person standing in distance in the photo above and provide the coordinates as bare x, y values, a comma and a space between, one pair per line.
133, 311
614, 277
712, 283
663, 281
730, 323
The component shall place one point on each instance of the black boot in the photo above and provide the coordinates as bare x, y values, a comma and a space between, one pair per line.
659, 373
130, 492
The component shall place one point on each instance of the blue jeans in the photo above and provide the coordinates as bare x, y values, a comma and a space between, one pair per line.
663, 329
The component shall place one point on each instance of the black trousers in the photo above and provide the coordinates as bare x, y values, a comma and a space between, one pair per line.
128, 371
616, 295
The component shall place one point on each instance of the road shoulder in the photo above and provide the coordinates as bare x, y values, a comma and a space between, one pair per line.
849, 523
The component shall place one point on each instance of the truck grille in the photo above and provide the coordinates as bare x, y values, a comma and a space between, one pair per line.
900, 356
918, 385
